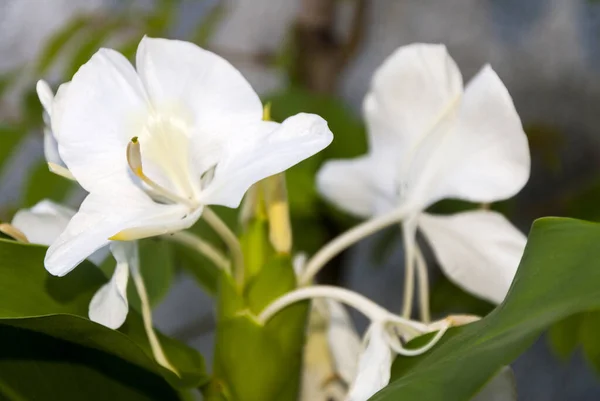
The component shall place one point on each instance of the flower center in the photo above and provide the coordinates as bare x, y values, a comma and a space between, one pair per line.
160, 158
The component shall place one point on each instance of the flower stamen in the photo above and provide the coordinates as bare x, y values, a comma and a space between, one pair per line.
134, 159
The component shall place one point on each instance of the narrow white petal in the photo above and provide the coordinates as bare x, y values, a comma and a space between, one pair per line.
358, 186
95, 119
501, 388
101, 217
51, 149
45, 95
373, 367
482, 155
478, 250
109, 305
202, 85
43, 223
269, 149
410, 91
344, 343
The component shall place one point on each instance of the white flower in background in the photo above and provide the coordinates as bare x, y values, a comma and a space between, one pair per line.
154, 144
45, 221
432, 139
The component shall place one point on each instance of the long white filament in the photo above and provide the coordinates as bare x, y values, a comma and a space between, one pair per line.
409, 271
215, 222
157, 350
203, 247
347, 239
423, 282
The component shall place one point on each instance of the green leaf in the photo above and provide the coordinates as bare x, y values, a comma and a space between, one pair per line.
42, 184
40, 367
558, 277
34, 300
255, 362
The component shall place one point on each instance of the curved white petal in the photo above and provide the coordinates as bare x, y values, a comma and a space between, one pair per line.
109, 305
43, 223
481, 155
344, 343
373, 367
202, 85
410, 91
478, 250
45, 95
359, 186
95, 119
268, 149
502, 387
101, 217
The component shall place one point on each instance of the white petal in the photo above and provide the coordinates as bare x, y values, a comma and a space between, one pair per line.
45, 94
101, 217
196, 82
96, 118
43, 223
373, 367
410, 91
481, 156
358, 186
269, 149
51, 149
478, 250
501, 388
344, 343
109, 305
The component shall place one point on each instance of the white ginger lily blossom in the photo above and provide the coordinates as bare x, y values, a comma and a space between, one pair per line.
45, 221
156, 143
431, 139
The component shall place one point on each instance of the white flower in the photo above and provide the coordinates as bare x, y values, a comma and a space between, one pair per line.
155, 144
44, 222
432, 139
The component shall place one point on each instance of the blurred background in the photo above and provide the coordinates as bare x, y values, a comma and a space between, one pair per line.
318, 56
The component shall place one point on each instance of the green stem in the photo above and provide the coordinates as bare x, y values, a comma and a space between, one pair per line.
230, 240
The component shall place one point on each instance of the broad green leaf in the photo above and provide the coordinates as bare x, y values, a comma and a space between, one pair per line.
34, 300
36, 366
558, 277
255, 362
42, 184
